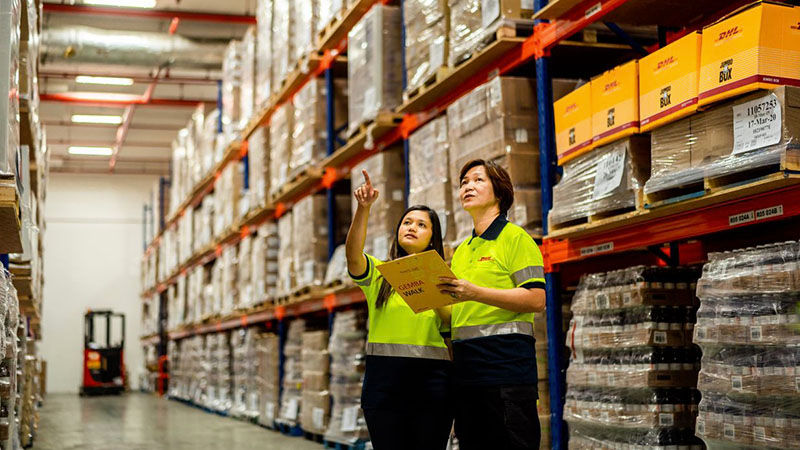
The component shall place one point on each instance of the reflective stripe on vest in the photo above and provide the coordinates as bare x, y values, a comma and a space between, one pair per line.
527, 273
495, 329
408, 351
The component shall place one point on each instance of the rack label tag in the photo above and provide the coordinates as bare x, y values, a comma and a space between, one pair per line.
738, 219
772, 211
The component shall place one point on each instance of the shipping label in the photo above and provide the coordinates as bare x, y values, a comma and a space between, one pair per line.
757, 124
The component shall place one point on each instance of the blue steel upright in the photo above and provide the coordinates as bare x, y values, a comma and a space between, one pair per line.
548, 168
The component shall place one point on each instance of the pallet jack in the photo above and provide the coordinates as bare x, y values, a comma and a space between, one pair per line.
103, 359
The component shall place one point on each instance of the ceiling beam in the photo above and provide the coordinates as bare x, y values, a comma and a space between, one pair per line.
148, 13
144, 127
136, 78
105, 100
91, 143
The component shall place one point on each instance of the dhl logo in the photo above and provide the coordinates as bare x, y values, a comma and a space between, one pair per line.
667, 62
796, 26
485, 258
571, 108
729, 33
612, 85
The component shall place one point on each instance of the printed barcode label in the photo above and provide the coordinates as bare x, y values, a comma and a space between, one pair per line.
729, 431
604, 416
626, 298
592, 378
701, 332
759, 433
701, 427
736, 383
594, 9
755, 334
660, 337
601, 300
349, 418
766, 213
318, 417
738, 219
666, 420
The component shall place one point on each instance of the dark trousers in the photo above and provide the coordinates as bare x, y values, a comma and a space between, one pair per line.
497, 418
422, 428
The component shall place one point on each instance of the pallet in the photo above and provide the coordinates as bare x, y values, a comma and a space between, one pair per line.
288, 429
301, 182
520, 30
331, 35
364, 139
382, 117
436, 77
313, 437
675, 194
591, 220
333, 445
10, 224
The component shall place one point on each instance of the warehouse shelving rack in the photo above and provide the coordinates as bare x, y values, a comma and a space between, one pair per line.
662, 231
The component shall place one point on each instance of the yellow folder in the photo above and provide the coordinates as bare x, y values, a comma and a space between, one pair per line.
415, 277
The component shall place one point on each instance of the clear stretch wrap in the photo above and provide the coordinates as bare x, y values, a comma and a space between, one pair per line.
426, 23
220, 382
180, 186
606, 179
280, 141
386, 172
208, 141
264, 262
286, 262
195, 152
246, 385
375, 64
204, 223
268, 376
263, 53
185, 229
337, 267
310, 246
473, 24
248, 89
309, 134
316, 377
757, 130
9, 83
633, 368
748, 327
258, 166
328, 11
227, 197
232, 65
347, 349
305, 31
292, 394
195, 295
429, 172
230, 291
283, 41
245, 274
217, 292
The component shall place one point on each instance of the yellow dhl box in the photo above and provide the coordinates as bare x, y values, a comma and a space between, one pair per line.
615, 104
573, 121
668, 82
756, 48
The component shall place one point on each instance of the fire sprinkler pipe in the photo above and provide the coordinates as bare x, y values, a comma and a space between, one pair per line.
149, 13
122, 131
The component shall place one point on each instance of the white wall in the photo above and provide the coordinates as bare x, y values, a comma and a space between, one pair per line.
92, 254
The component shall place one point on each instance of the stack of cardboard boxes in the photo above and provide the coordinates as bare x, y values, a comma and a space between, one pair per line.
268, 377
316, 382
292, 392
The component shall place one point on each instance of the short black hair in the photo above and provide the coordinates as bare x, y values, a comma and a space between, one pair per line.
501, 181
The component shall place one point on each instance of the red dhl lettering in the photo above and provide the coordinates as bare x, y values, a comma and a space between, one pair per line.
571, 108
729, 33
666, 62
611, 85
485, 258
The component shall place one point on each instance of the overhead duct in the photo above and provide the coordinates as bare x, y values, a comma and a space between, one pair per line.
85, 45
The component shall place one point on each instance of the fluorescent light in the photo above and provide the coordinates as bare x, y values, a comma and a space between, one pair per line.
91, 151
114, 81
128, 3
91, 118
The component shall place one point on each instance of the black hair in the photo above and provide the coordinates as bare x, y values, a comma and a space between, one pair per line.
397, 251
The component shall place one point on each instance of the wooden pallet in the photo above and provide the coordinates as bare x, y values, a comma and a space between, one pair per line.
383, 117
301, 182
313, 437
335, 32
375, 130
10, 225
333, 445
591, 220
436, 77
503, 32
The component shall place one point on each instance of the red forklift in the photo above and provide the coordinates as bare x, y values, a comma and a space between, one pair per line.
103, 353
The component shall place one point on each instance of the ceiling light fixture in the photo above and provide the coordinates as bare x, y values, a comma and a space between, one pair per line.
113, 81
96, 118
127, 3
90, 151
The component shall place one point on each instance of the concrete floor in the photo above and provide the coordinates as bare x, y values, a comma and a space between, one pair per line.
145, 422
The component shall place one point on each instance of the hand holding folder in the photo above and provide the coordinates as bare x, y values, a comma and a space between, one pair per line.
415, 278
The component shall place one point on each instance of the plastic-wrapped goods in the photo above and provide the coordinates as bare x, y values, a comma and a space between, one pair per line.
427, 23
328, 11
267, 376
602, 181
337, 268
286, 262
292, 394
248, 65
632, 364
203, 223
309, 135
232, 89
386, 171
264, 262
228, 197
9, 104
245, 373
244, 277
429, 172
473, 23
280, 141
749, 331
305, 28
316, 376
310, 246
258, 167
208, 141
283, 42
185, 229
263, 58
217, 291
725, 140
347, 349
229, 282
220, 382
375, 64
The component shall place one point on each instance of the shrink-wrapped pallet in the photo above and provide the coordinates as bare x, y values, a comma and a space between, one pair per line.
9, 74
207, 142
228, 197
292, 394
374, 64
305, 28
263, 53
203, 223
264, 262
473, 24
310, 241
347, 349
220, 382
309, 133
604, 180
286, 262
426, 23
386, 171
268, 377
429, 172
246, 385
232, 65
244, 279
328, 11
316, 376
248, 77
258, 167
230, 287
280, 140
283, 42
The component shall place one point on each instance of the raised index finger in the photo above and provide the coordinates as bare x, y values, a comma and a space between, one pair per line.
366, 177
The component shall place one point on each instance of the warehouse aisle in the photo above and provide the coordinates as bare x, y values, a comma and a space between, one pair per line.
145, 422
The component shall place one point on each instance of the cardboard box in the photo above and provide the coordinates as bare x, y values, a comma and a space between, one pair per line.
668, 82
471, 21
750, 50
615, 104
573, 121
